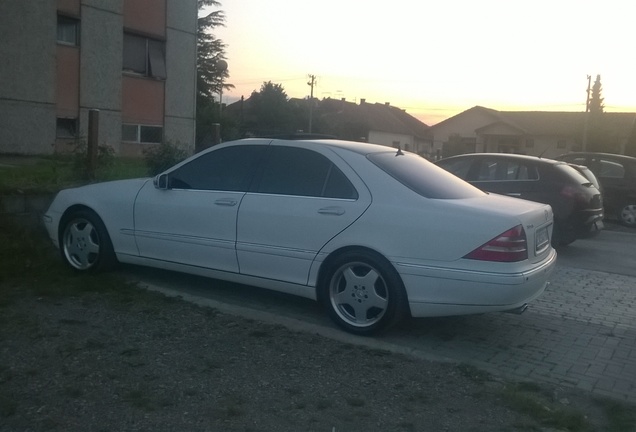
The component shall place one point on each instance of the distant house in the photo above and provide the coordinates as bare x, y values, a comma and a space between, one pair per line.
550, 134
133, 60
373, 123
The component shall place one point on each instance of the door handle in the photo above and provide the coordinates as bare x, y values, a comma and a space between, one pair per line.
514, 194
228, 202
332, 210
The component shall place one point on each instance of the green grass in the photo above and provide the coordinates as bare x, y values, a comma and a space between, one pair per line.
621, 418
50, 174
29, 264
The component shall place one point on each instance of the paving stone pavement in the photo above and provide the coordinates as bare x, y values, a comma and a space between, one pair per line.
580, 333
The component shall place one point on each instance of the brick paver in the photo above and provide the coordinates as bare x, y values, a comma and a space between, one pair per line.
581, 332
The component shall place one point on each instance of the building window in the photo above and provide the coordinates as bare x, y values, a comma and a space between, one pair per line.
66, 128
141, 133
561, 144
144, 56
67, 30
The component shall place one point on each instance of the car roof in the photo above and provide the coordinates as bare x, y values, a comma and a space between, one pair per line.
357, 147
508, 156
608, 155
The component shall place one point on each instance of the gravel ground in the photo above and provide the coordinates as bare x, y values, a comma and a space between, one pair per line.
144, 362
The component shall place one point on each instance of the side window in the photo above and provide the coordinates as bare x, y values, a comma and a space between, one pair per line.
502, 170
302, 172
487, 170
611, 169
226, 169
579, 160
458, 167
518, 171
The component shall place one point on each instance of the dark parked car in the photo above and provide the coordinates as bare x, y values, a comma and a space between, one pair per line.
617, 175
575, 200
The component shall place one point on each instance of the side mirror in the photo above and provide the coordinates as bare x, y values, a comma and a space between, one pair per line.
161, 181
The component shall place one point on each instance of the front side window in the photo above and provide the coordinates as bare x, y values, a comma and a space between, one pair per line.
611, 169
303, 172
144, 56
67, 30
225, 169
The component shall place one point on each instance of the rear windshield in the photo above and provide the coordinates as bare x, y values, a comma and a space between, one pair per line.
423, 177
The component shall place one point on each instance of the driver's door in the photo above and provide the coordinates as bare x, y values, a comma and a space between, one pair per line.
192, 221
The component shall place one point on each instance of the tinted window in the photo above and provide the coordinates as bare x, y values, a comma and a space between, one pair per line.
303, 172
423, 177
226, 169
458, 166
611, 169
503, 170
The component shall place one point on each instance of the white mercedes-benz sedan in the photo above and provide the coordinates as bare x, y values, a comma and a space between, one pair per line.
374, 233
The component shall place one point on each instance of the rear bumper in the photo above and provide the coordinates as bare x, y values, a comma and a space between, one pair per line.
443, 292
581, 225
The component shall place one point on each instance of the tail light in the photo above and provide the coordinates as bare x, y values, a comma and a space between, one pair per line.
510, 246
571, 192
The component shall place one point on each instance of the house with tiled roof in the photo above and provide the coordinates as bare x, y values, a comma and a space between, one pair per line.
545, 133
377, 123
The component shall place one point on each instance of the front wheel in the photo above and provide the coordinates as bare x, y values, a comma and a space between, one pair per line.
363, 293
85, 244
627, 215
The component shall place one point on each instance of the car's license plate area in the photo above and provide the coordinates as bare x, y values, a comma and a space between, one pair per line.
542, 239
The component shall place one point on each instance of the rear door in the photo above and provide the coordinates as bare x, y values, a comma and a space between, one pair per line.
303, 198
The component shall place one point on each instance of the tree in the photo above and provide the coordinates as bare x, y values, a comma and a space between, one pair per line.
271, 114
212, 72
596, 101
600, 135
211, 67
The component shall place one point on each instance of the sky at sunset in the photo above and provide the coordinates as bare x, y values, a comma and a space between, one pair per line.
435, 58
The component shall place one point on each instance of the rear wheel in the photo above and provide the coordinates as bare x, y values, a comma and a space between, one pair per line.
627, 215
561, 238
84, 242
363, 293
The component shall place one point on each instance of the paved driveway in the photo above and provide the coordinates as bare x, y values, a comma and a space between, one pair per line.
580, 333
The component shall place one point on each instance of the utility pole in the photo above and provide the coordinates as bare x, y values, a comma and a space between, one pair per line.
311, 83
587, 113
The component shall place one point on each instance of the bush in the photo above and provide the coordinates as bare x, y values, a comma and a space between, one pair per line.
81, 168
161, 157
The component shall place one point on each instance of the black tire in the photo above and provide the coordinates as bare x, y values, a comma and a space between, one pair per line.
627, 214
561, 238
84, 242
363, 293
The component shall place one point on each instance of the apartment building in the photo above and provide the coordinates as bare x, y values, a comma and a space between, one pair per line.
133, 60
